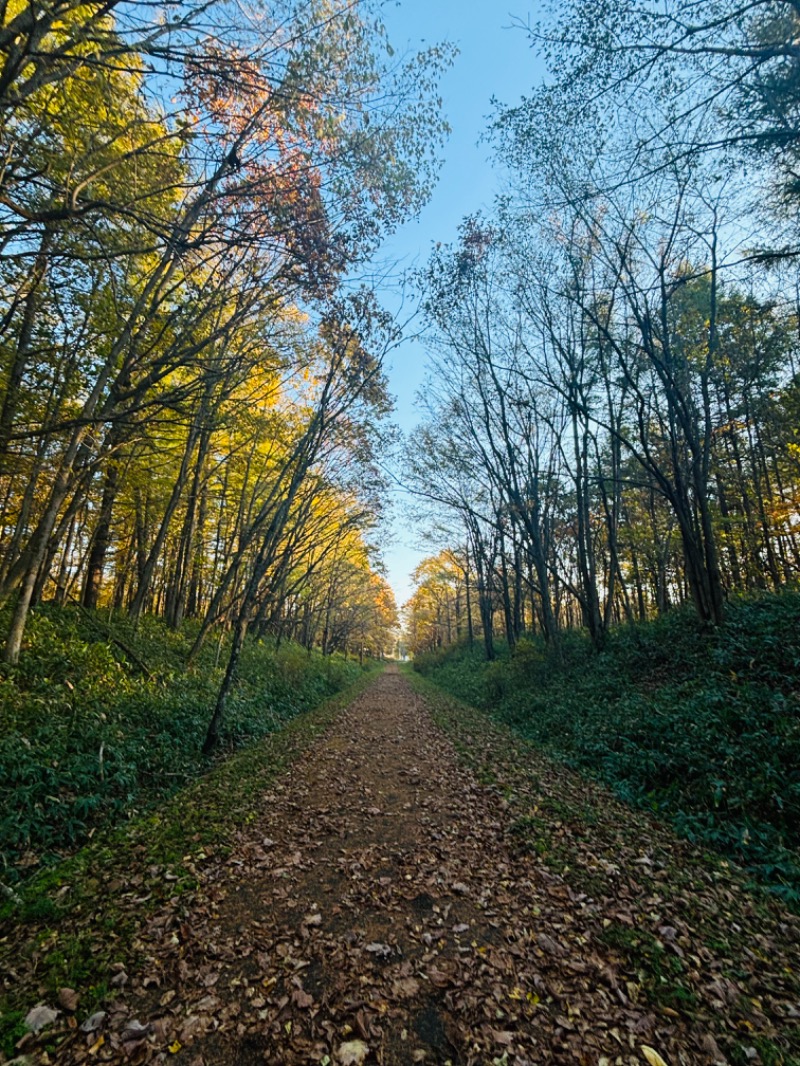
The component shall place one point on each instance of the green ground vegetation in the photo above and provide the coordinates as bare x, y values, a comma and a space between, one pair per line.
76, 918
101, 721
701, 726
640, 879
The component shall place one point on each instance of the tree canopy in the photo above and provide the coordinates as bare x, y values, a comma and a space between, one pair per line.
192, 395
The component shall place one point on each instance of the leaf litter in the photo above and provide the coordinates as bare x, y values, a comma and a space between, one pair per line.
382, 910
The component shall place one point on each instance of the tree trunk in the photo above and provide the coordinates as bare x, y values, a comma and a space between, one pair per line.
101, 539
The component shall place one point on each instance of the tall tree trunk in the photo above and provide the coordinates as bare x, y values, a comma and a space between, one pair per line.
154, 555
101, 540
468, 590
22, 350
228, 683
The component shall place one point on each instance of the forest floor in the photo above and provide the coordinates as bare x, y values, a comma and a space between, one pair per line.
416, 889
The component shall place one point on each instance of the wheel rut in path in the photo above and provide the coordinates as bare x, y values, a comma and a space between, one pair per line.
375, 914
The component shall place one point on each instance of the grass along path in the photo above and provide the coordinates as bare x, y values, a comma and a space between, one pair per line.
411, 890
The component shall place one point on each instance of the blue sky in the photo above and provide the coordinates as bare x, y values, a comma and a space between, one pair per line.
494, 60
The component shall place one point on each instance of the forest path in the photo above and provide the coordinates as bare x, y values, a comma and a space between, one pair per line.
379, 912
386, 913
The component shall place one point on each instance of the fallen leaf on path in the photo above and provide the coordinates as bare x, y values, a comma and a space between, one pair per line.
712, 1047
405, 987
652, 1056
382, 951
68, 999
302, 999
136, 1031
208, 1004
549, 945
94, 1021
39, 1017
353, 1053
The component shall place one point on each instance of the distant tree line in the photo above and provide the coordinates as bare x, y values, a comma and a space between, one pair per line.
613, 422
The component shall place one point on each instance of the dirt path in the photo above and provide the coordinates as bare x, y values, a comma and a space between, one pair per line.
376, 913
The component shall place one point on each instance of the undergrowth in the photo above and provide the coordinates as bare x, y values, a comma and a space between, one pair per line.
100, 721
81, 917
700, 726
642, 879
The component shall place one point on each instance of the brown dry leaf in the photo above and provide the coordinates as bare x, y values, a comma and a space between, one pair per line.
302, 999
549, 945
68, 999
712, 1047
207, 1005
438, 978
135, 1030
380, 951
405, 987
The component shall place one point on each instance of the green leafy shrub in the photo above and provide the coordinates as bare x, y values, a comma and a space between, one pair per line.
87, 738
